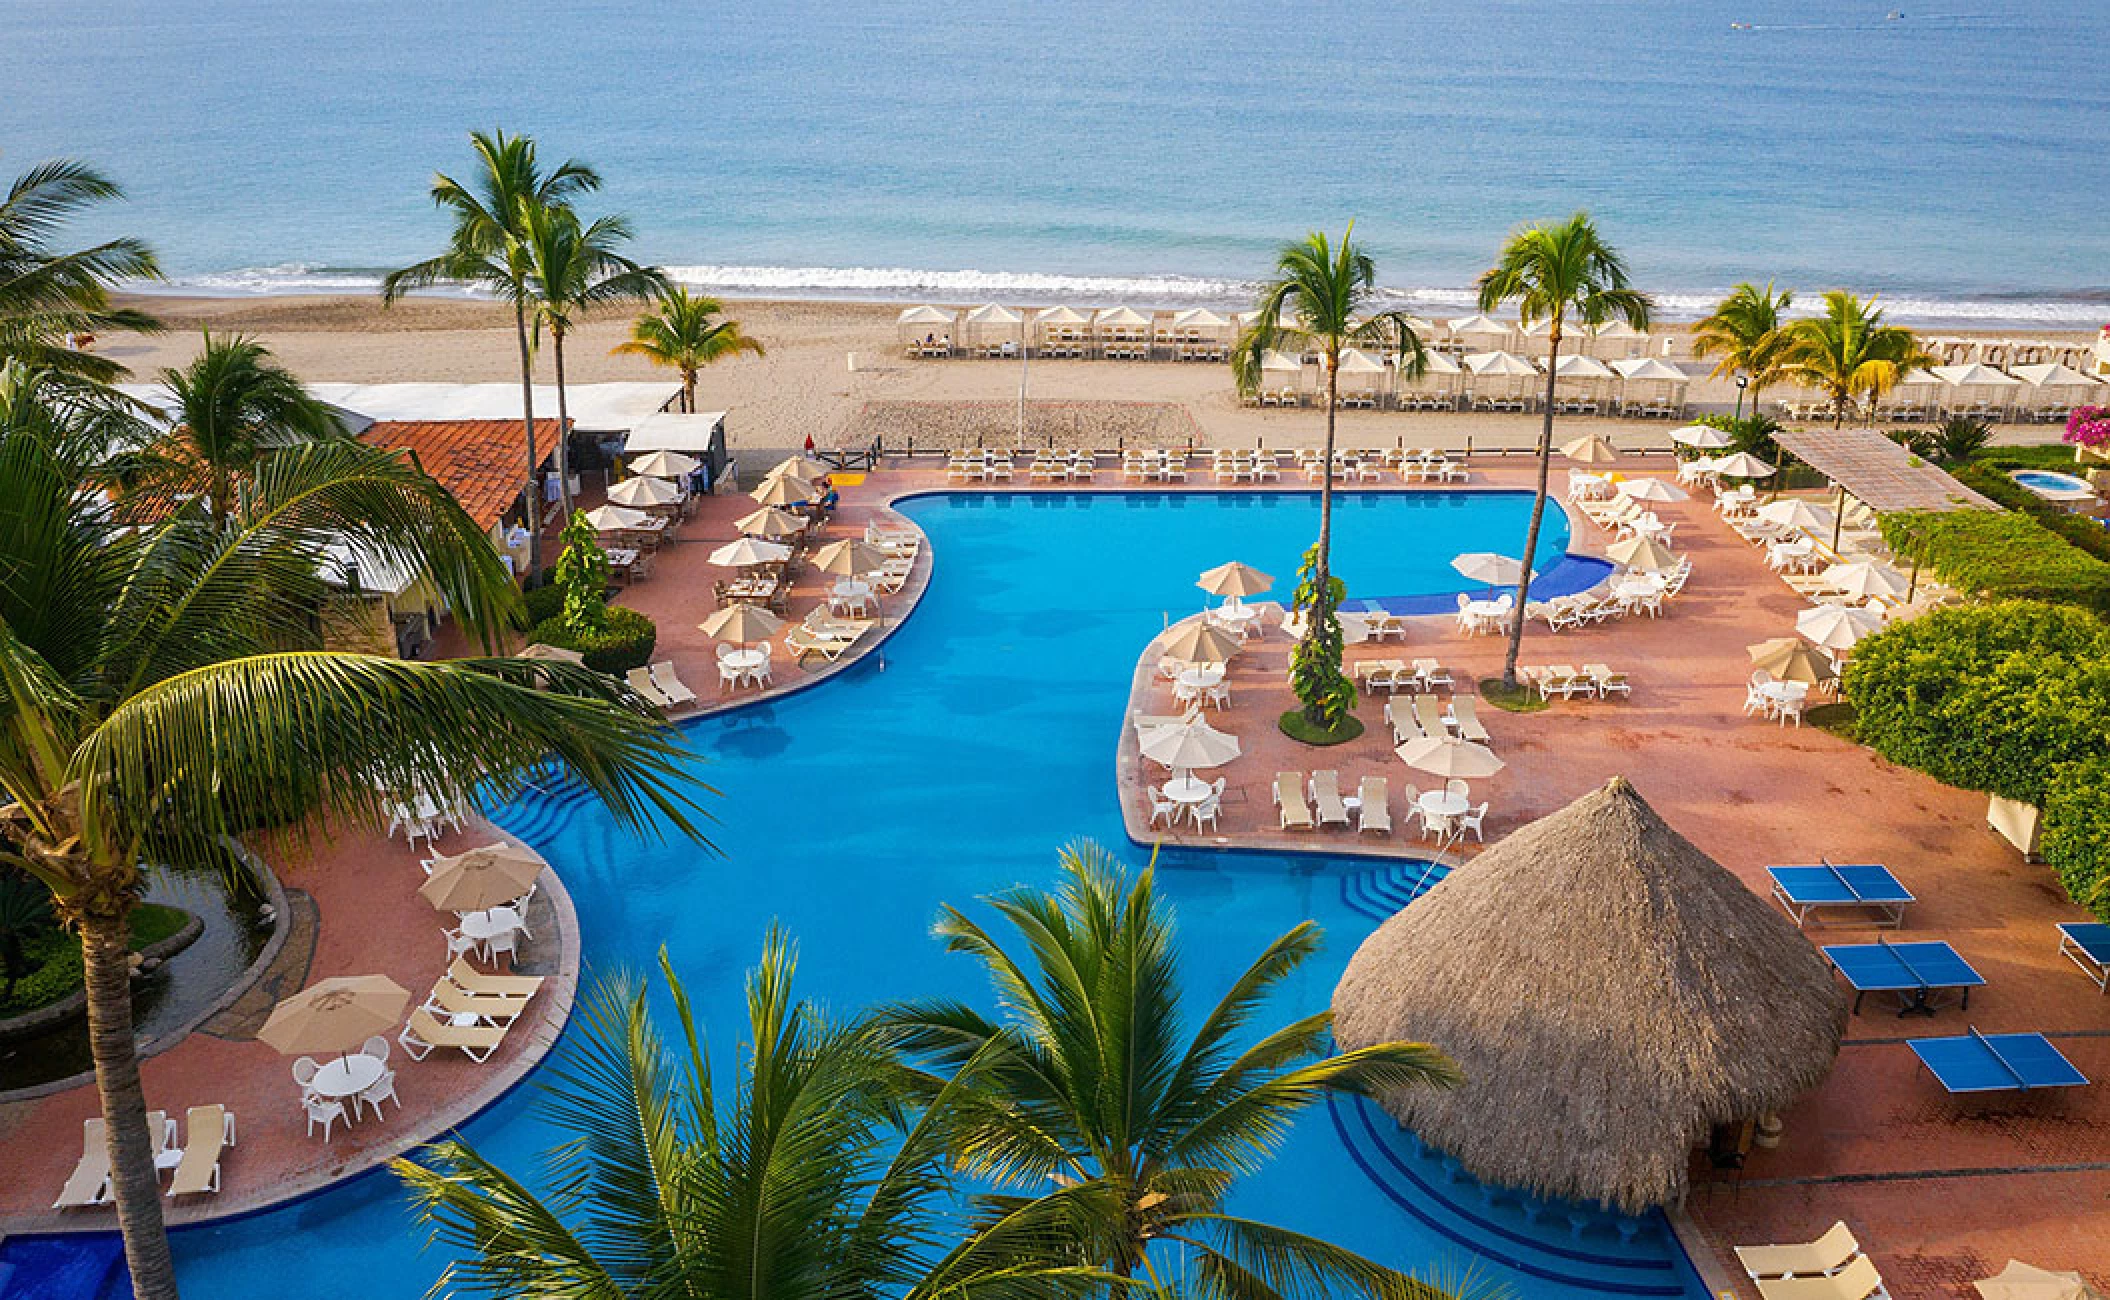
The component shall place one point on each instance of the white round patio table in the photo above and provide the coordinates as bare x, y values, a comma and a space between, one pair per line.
1236, 615
851, 589
488, 925
347, 1076
1188, 789
745, 660
1201, 679
1442, 803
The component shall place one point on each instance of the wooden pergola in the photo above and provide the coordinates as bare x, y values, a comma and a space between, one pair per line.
1887, 478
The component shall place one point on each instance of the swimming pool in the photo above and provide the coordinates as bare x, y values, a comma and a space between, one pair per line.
953, 763
2054, 486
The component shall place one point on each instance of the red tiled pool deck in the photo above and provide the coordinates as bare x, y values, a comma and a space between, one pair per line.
1939, 1192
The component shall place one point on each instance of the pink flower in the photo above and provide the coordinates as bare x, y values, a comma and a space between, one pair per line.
2088, 426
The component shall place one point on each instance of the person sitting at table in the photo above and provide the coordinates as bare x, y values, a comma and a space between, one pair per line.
830, 498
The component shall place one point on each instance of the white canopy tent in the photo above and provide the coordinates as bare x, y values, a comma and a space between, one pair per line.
926, 326
1439, 374
1615, 340
1361, 373
1577, 373
1281, 372
2054, 387
1199, 325
1061, 327
1500, 374
1121, 325
1477, 329
1975, 386
672, 431
1647, 379
990, 326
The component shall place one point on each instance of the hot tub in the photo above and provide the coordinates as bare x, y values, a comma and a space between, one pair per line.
2064, 489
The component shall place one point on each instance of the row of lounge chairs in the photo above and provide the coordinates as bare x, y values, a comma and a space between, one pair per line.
1592, 682
1426, 716
469, 1011
825, 635
1395, 675
1327, 807
661, 686
197, 1169
1830, 1268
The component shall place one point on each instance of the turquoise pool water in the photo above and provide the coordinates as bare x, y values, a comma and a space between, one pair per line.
955, 763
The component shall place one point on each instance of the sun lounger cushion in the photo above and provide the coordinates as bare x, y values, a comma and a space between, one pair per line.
210, 1131
1801, 1259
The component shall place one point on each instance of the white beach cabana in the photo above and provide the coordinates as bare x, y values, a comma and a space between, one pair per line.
1615, 340
1578, 377
992, 329
926, 331
1198, 334
1500, 377
1916, 396
1478, 332
1975, 388
1655, 386
1061, 331
1281, 379
1362, 378
1121, 332
1435, 388
2052, 389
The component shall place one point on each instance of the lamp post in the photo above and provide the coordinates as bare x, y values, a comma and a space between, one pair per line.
1743, 381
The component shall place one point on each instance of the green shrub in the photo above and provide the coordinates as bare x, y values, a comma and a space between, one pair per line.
2000, 554
2076, 530
2045, 455
624, 642
54, 957
2075, 837
1988, 697
543, 603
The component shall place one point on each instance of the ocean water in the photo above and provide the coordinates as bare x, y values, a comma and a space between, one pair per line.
1957, 160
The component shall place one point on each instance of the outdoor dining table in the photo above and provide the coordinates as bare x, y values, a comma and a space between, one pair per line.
751, 588
851, 589
347, 1076
487, 925
1486, 615
1188, 789
621, 560
744, 660
1442, 803
1200, 679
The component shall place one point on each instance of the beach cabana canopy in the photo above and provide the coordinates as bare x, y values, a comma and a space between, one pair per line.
1355, 361
1972, 374
1280, 362
1120, 318
991, 321
2053, 384
922, 322
1200, 320
1629, 994
1439, 366
1635, 369
1062, 316
1500, 363
1478, 326
993, 313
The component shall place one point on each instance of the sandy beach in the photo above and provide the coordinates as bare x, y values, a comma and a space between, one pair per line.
833, 370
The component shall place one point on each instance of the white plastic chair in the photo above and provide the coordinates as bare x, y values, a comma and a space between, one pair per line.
729, 676
1163, 809
1470, 821
376, 1047
323, 1111
506, 942
380, 1090
1205, 811
304, 1071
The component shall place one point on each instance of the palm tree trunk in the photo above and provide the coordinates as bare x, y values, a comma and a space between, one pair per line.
1538, 513
527, 420
1333, 384
556, 338
106, 966
688, 392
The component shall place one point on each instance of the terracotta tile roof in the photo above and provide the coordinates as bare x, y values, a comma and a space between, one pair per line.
482, 462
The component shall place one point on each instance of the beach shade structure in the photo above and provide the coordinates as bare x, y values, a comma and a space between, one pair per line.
481, 878
2020, 1281
1866, 578
1486, 566
1500, 374
1789, 659
1439, 374
1617, 339
1234, 580
665, 464
742, 623
1643, 378
1479, 328
1282, 365
335, 1015
770, 521
1641, 552
848, 558
1121, 325
1060, 325
1199, 643
1975, 384
1360, 372
2054, 386
1649, 996
644, 490
1184, 746
916, 324
1590, 450
1200, 325
991, 324
1580, 372
1743, 464
614, 519
799, 466
1837, 627
1650, 489
749, 551
1704, 437
1450, 757
1794, 512
783, 490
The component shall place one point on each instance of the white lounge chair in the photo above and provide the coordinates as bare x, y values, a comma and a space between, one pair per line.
89, 1183
1325, 792
472, 980
1375, 814
211, 1131
452, 1000
1859, 1280
640, 680
671, 687
1828, 1254
1467, 715
423, 1033
1289, 798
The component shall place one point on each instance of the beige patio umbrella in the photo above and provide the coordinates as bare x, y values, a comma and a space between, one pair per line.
614, 519
1743, 465
1198, 643
665, 464
335, 1015
1705, 437
1650, 489
749, 551
770, 521
480, 878
1641, 552
1486, 566
783, 490
644, 490
2020, 1281
1837, 627
1794, 512
797, 465
1449, 757
848, 558
741, 623
1590, 450
1789, 659
1865, 578
1234, 579
555, 654
1184, 746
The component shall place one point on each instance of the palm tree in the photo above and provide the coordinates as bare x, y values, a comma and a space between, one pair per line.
231, 407
572, 267
1849, 352
484, 251
799, 1182
1326, 293
1087, 1084
686, 334
1747, 332
47, 294
1556, 273
160, 693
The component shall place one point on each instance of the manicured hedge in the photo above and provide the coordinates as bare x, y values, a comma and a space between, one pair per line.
2077, 530
624, 642
543, 603
2075, 838
2000, 554
1988, 697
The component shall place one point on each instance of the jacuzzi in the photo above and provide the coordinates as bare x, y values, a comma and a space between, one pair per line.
2064, 489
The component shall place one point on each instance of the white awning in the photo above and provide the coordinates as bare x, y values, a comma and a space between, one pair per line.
1577, 366
594, 408
1357, 362
1499, 363
1464, 325
925, 316
1973, 375
1123, 317
1062, 316
1638, 368
1199, 318
993, 314
670, 431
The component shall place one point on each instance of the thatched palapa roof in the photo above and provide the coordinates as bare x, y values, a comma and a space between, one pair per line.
1610, 992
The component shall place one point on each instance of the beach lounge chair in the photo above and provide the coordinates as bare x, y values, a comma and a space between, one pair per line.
803, 641
1376, 811
1467, 714
89, 1184
640, 680
1857, 1281
424, 1033
1401, 720
1607, 682
671, 687
454, 1001
2087, 945
1828, 1254
1289, 799
1432, 674
211, 1131
471, 980
1325, 792
1429, 713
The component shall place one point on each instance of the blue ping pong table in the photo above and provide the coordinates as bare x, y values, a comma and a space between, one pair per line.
1976, 1062
2087, 945
1917, 972
1807, 892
